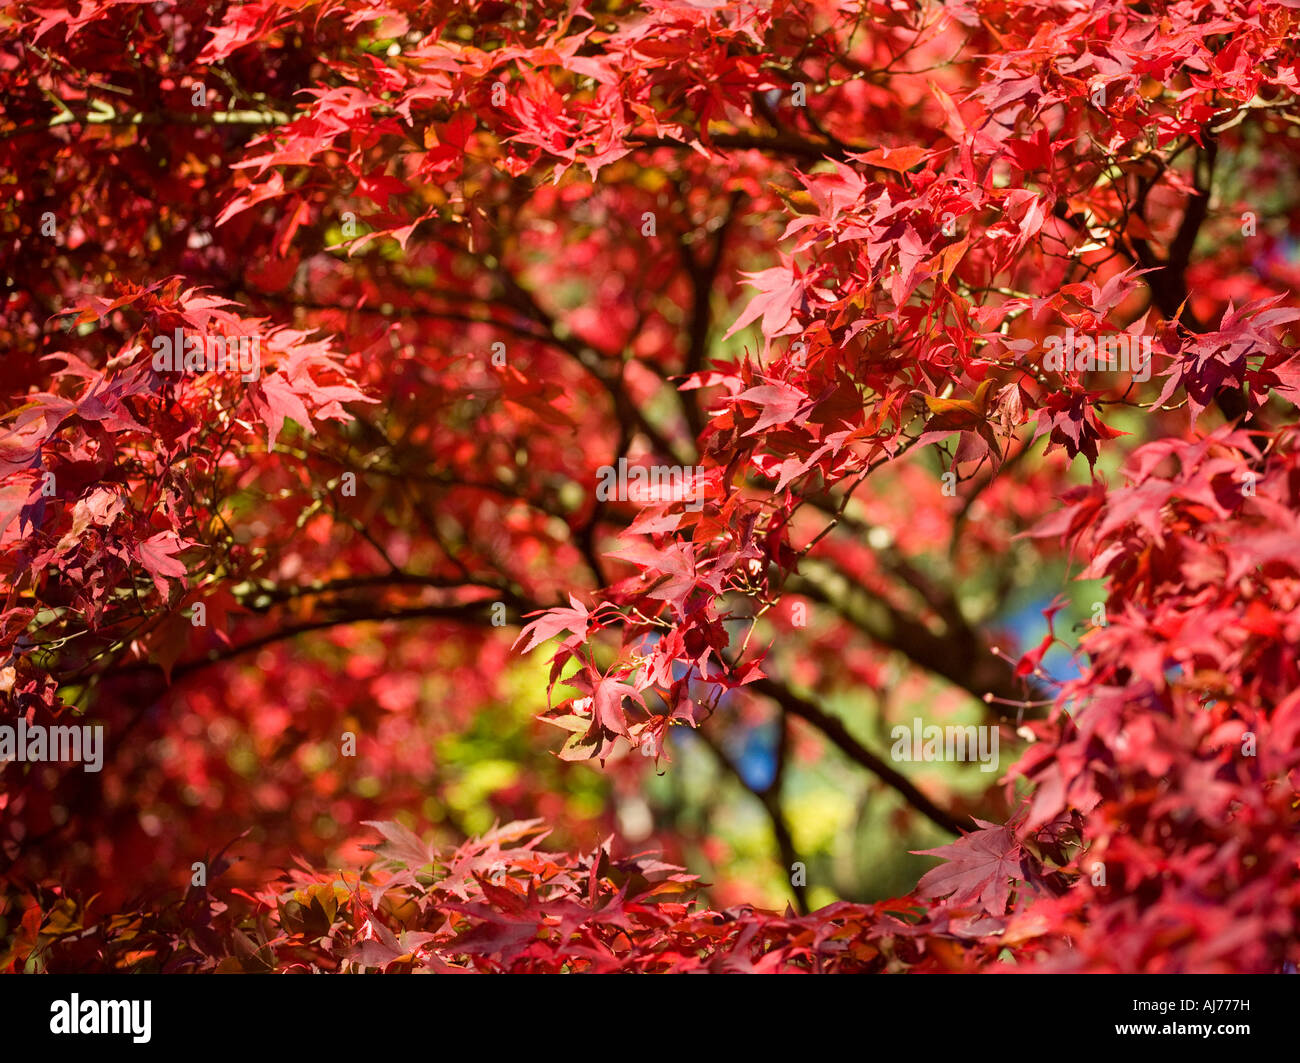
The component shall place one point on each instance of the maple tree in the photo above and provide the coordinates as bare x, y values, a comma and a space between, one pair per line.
781, 274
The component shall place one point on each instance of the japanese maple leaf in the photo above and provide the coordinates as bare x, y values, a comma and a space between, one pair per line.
1073, 424
605, 694
779, 403
979, 869
379, 187
553, 621
607, 703
898, 159
781, 291
675, 565
155, 553
400, 844
13, 500
275, 401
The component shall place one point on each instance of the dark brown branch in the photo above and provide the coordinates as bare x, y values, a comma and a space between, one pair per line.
703, 276
835, 730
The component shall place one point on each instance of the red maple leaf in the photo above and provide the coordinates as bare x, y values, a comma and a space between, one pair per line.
979, 869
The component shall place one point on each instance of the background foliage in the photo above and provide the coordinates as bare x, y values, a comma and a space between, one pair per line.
810, 249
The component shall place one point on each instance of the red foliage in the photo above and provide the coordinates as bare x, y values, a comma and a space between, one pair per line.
494, 906
478, 251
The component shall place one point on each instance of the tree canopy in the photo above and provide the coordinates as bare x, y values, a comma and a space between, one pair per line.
498, 474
